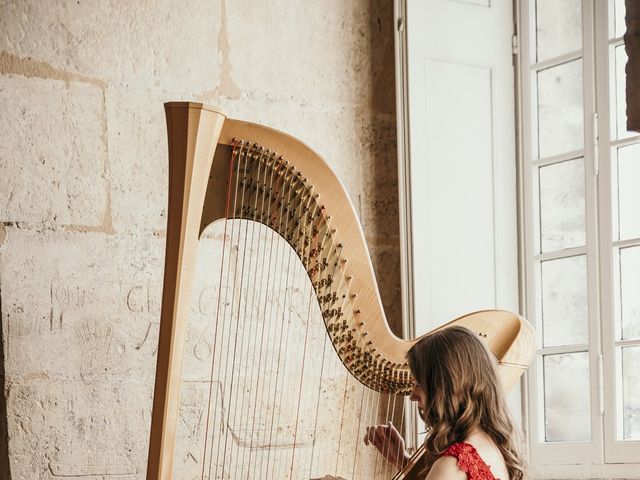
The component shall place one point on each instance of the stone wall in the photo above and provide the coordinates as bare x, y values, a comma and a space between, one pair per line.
83, 180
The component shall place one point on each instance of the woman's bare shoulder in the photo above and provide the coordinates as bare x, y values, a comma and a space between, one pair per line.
446, 468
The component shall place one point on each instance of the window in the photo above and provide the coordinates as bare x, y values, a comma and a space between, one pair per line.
580, 171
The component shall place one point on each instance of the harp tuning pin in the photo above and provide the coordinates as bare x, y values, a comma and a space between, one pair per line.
353, 295
357, 311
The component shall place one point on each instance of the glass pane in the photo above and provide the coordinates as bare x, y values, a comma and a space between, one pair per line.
627, 205
567, 405
619, 62
562, 205
629, 291
558, 27
564, 301
619, 26
631, 393
560, 114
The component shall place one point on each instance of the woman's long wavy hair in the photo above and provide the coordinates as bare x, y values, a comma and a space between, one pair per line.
463, 393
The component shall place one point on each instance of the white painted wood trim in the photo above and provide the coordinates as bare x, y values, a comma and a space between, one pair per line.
404, 198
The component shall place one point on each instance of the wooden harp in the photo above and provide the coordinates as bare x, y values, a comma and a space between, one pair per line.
262, 186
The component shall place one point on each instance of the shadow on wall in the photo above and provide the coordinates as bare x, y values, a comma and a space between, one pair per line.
4, 433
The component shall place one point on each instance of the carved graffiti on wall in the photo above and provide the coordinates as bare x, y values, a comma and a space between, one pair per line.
103, 354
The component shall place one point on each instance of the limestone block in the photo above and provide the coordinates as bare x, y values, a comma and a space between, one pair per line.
81, 307
380, 186
159, 43
52, 152
138, 158
67, 428
80, 314
386, 265
313, 57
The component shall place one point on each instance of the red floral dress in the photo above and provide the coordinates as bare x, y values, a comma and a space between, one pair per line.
469, 461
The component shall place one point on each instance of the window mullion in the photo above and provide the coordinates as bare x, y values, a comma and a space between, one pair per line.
592, 172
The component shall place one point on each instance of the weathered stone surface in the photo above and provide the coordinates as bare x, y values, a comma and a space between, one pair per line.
312, 57
79, 430
386, 266
380, 188
53, 153
79, 306
139, 160
153, 43
83, 178
80, 319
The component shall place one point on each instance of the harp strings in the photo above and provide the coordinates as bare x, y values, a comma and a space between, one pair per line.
263, 391
269, 159
264, 190
218, 324
307, 219
226, 342
283, 318
244, 415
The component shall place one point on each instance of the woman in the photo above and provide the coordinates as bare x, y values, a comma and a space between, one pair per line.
470, 432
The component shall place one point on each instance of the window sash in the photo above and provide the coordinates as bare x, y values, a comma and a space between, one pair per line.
604, 450
615, 451
565, 452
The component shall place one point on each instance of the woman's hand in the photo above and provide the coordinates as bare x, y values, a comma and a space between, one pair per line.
388, 442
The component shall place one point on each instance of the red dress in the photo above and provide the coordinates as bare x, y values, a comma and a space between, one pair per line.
469, 461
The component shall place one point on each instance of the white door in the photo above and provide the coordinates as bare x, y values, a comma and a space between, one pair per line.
462, 158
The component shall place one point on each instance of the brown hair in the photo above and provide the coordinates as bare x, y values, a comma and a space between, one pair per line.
463, 392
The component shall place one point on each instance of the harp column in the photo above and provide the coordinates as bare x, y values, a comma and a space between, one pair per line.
193, 132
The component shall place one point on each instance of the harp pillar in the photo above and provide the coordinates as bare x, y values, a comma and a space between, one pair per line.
193, 132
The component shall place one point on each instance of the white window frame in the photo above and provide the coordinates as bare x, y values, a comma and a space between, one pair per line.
616, 451
603, 456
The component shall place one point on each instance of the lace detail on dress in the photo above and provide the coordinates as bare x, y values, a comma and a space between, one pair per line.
469, 461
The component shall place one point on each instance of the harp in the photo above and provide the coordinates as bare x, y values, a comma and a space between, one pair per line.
296, 372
